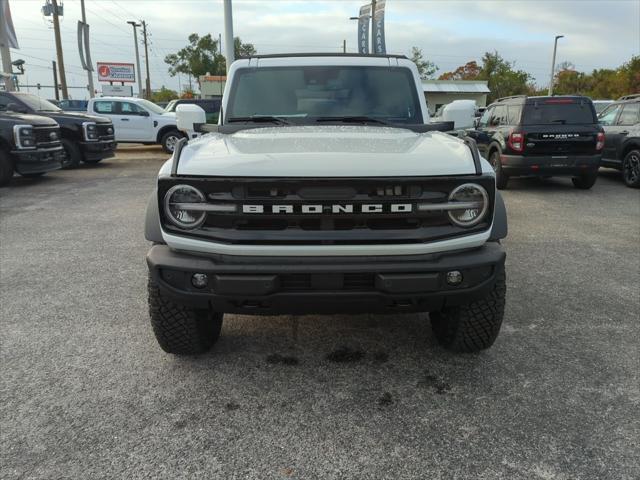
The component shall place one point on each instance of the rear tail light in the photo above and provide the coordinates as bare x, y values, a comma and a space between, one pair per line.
516, 141
600, 141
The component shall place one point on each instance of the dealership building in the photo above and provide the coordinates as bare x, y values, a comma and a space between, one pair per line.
441, 92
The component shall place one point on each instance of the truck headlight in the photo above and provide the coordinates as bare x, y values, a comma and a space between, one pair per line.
24, 137
90, 130
468, 204
178, 206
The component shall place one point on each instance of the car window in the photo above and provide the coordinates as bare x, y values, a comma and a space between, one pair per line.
630, 114
609, 115
127, 108
102, 106
4, 101
499, 116
559, 111
514, 112
484, 120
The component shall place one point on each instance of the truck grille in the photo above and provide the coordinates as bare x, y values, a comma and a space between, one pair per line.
103, 131
43, 136
335, 210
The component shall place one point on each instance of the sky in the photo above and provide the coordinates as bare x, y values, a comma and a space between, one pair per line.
598, 33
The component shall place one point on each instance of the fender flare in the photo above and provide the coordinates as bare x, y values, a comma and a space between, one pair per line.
499, 228
152, 230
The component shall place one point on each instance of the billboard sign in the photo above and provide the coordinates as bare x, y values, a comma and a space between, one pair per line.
116, 72
117, 90
380, 47
363, 29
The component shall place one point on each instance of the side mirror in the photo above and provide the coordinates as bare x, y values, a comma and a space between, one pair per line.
143, 113
14, 107
190, 118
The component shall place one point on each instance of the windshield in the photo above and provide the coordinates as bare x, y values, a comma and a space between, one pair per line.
559, 111
36, 103
305, 94
151, 106
171, 106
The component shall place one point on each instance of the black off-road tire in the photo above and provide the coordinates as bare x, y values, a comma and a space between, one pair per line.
585, 181
73, 154
169, 140
475, 326
631, 169
6, 168
179, 329
501, 178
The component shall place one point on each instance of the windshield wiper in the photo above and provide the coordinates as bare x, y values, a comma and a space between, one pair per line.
259, 119
353, 119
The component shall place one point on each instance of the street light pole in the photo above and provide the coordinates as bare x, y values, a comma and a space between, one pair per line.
228, 34
553, 63
135, 26
89, 72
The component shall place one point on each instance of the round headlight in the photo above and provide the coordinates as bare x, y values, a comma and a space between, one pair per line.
474, 203
176, 210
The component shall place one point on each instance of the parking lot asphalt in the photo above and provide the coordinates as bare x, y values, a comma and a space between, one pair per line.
87, 393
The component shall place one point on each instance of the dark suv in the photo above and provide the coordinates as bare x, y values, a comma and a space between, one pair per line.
541, 136
86, 138
621, 122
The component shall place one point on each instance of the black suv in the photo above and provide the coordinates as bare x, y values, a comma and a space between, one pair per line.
85, 137
541, 136
621, 122
29, 145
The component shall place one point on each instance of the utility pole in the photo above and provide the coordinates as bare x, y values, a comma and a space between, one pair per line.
146, 57
55, 79
135, 26
344, 46
228, 34
56, 31
553, 64
5, 53
89, 72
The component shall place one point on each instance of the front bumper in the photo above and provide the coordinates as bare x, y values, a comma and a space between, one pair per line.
519, 165
38, 161
98, 150
296, 285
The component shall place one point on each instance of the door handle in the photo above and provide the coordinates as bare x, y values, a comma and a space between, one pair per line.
124, 119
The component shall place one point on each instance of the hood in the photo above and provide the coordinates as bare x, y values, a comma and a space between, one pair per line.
25, 118
77, 116
326, 151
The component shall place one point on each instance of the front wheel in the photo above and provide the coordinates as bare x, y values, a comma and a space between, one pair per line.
73, 155
475, 326
501, 178
585, 181
179, 329
169, 140
631, 169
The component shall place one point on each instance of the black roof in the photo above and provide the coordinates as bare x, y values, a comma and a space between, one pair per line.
329, 54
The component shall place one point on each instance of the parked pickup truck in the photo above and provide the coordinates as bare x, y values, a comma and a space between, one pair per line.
137, 120
324, 189
29, 145
85, 138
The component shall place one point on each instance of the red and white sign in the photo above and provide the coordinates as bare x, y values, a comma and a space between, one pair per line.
116, 72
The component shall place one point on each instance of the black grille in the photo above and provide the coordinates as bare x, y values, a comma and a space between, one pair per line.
330, 227
103, 131
348, 281
43, 136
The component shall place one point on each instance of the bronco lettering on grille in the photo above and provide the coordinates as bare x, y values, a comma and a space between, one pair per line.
333, 208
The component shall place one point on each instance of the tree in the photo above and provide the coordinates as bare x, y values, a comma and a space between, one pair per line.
203, 56
502, 78
163, 95
426, 68
468, 71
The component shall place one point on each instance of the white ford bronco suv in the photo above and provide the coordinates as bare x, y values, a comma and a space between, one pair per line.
324, 189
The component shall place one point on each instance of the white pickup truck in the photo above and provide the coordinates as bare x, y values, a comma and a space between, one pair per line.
324, 189
137, 120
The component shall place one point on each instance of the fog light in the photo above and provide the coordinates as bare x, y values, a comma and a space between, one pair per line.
199, 280
454, 277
